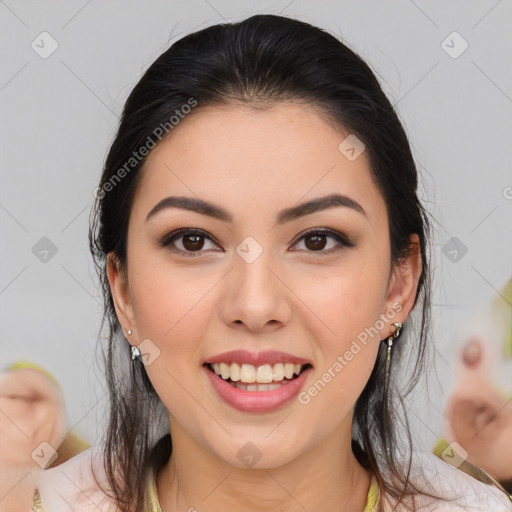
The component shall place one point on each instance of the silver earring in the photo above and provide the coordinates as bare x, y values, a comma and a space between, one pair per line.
129, 332
136, 353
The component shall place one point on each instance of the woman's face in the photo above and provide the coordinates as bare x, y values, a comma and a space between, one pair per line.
249, 272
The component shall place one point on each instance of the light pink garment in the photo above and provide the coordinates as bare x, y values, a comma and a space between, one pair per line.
436, 476
70, 486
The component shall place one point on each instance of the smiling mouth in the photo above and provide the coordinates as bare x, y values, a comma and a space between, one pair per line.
266, 377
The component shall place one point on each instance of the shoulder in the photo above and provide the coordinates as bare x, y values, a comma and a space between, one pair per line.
463, 492
77, 484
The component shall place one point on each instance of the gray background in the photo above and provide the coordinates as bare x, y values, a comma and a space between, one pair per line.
59, 115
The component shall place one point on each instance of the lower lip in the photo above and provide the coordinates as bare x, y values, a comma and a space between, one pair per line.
257, 401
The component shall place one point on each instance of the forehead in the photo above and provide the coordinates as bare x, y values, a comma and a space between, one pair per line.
239, 155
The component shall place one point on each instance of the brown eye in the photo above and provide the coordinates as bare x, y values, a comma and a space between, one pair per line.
188, 242
325, 241
193, 242
315, 242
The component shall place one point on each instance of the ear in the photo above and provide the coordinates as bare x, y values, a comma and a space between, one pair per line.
118, 280
403, 284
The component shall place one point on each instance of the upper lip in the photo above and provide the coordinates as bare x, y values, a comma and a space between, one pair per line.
256, 358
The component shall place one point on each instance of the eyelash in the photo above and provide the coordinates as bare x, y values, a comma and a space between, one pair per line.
175, 235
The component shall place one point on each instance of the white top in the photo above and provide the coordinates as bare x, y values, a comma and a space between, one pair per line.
70, 486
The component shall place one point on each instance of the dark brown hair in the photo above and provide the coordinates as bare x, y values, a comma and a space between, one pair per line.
258, 61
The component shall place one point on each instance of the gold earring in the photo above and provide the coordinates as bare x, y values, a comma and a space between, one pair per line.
393, 336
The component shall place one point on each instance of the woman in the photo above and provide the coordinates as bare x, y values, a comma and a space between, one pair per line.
257, 234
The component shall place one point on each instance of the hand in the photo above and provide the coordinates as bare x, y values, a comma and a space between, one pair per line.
480, 417
31, 412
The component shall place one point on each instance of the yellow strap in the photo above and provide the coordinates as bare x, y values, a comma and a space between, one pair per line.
153, 505
372, 499
29, 364
37, 506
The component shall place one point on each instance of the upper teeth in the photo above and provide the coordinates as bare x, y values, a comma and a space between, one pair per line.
260, 374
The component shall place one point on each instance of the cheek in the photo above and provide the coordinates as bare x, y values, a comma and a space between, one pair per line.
173, 309
349, 303
173, 312
348, 298
170, 304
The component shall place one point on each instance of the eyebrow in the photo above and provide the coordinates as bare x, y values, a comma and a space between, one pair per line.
284, 216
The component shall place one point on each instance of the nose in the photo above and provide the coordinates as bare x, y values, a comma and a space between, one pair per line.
257, 297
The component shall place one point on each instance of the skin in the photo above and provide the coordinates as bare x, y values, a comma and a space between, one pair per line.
291, 298
479, 416
31, 412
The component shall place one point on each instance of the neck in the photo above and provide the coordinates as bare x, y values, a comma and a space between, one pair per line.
327, 477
